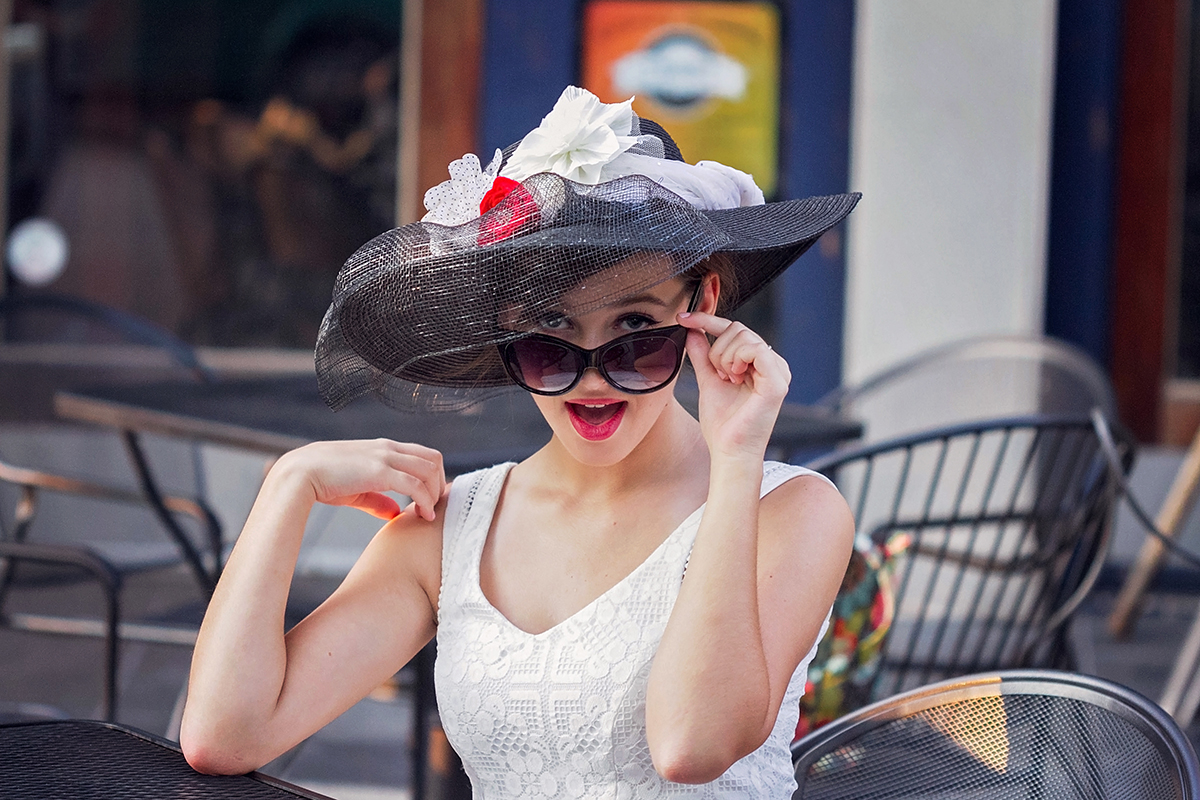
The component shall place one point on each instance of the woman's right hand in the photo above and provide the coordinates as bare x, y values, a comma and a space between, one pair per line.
357, 474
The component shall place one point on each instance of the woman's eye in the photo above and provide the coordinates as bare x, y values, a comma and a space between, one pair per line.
636, 322
555, 323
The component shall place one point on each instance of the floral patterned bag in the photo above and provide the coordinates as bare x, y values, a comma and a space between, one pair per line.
842, 673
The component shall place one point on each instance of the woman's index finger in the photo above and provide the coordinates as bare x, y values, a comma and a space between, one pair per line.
709, 323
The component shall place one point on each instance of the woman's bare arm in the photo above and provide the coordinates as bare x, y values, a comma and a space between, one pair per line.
750, 608
254, 693
760, 580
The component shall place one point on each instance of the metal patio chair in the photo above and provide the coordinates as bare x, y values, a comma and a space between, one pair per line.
33, 553
973, 379
988, 534
1039, 734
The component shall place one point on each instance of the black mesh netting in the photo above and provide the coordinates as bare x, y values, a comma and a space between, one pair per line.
1031, 747
418, 311
86, 761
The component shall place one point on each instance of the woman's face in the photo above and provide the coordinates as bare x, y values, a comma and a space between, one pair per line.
597, 423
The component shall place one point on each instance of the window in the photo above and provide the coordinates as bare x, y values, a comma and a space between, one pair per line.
211, 162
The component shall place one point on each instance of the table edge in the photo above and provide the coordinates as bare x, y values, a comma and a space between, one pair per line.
167, 744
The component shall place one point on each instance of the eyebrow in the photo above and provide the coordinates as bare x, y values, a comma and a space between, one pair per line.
643, 298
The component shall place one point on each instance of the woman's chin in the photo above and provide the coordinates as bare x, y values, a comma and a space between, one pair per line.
596, 452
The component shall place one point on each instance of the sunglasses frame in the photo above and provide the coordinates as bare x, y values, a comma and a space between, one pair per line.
594, 358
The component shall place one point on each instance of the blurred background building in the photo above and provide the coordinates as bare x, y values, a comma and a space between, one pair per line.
1026, 166
211, 164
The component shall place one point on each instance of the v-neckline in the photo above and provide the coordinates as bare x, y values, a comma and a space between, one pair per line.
477, 562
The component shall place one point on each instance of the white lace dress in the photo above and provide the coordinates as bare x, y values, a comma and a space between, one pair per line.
562, 713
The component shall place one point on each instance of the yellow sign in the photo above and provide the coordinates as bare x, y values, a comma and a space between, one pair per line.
708, 72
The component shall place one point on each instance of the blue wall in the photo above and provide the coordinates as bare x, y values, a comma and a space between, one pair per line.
531, 52
818, 52
1080, 244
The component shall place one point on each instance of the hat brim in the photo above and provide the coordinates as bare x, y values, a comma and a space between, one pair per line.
765, 240
394, 323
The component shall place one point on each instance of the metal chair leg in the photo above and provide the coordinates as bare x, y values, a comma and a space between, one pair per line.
110, 583
1182, 693
207, 579
423, 691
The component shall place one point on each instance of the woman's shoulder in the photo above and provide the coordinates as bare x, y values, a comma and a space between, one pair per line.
793, 494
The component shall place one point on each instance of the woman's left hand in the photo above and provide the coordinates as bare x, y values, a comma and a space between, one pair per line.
742, 384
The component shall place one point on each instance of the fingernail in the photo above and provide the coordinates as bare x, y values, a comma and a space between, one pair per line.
684, 314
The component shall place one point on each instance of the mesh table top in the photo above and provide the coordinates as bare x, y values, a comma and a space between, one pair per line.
996, 747
85, 760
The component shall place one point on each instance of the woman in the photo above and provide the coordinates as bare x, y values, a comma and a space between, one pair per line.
626, 611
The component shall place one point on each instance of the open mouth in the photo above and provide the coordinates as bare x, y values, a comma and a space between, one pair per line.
597, 420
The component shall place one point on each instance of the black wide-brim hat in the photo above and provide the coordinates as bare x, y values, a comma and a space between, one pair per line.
418, 312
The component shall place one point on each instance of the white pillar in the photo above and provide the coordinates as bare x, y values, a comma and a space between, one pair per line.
951, 150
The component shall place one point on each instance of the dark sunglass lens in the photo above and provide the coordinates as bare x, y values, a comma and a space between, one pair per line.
542, 365
642, 364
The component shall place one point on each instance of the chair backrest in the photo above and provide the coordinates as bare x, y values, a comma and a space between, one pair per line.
979, 378
990, 535
76, 464
1017, 733
48, 317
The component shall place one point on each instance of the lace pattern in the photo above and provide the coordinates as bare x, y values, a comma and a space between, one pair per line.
562, 713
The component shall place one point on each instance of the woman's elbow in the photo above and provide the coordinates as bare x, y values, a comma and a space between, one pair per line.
212, 753
687, 769
209, 760
697, 761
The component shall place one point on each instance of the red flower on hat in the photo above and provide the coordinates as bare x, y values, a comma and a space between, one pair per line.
507, 209
500, 190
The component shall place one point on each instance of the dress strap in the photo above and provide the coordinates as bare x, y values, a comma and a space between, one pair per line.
776, 473
483, 486
457, 505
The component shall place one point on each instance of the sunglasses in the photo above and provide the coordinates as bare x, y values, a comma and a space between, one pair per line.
636, 363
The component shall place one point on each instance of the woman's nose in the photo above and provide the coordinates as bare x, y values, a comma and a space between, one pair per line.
592, 380
590, 340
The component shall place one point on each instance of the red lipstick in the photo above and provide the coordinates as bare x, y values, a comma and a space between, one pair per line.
596, 419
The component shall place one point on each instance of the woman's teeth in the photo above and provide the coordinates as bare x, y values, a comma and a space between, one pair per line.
596, 413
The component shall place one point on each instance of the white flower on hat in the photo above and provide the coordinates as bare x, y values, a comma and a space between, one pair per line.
576, 140
588, 142
456, 201
707, 185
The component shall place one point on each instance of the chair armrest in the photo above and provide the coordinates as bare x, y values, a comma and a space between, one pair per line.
83, 558
37, 479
